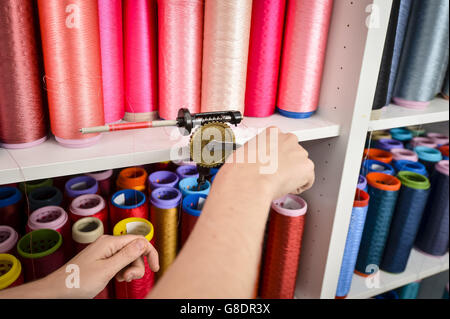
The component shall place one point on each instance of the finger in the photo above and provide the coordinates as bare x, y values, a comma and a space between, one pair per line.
153, 258
108, 246
135, 271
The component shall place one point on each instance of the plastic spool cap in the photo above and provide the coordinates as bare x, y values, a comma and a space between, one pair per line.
32, 185
428, 154
24, 145
362, 182
87, 205
410, 104
416, 167
444, 151
9, 196
388, 144
378, 135
132, 178
190, 204
102, 175
423, 141
189, 185
185, 171
290, 205
51, 217
44, 242
87, 230
132, 199
8, 239
378, 155
442, 167
295, 115
377, 166
361, 199
383, 182
404, 154
78, 143
417, 130
439, 139
413, 180
401, 134
10, 270
45, 196
88, 186
163, 179
134, 226
165, 197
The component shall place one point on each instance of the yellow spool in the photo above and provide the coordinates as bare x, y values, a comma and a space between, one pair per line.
134, 226
12, 268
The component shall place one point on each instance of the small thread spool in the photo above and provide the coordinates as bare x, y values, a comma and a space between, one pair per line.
370, 166
409, 166
439, 139
405, 223
89, 205
410, 291
165, 202
444, 151
354, 235
162, 179
373, 137
136, 289
132, 178
422, 141
53, 217
433, 235
388, 144
44, 196
78, 186
283, 246
362, 183
428, 157
8, 240
103, 179
40, 253
186, 171
416, 130
383, 192
27, 187
189, 186
10, 271
401, 134
128, 203
192, 208
399, 154
11, 208
378, 155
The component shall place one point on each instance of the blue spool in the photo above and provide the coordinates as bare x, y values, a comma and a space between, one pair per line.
9, 196
188, 187
190, 203
295, 115
415, 167
410, 291
388, 295
370, 166
133, 199
428, 157
401, 134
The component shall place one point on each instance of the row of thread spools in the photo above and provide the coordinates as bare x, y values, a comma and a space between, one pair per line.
60, 224
108, 60
414, 66
401, 202
409, 291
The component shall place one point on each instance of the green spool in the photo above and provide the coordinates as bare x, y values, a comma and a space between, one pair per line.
32, 185
413, 180
39, 243
417, 130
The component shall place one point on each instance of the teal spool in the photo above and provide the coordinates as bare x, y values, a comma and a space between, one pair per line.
409, 291
428, 157
189, 186
401, 134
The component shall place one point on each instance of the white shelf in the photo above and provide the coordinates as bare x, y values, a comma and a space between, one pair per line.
397, 116
419, 266
138, 147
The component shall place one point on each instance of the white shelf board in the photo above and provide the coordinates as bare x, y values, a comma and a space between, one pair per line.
419, 266
137, 147
396, 116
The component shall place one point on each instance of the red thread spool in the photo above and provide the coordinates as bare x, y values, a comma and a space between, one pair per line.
136, 289
11, 208
103, 179
8, 240
53, 217
40, 253
192, 208
128, 203
284, 239
444, 150
10, 271
90, 205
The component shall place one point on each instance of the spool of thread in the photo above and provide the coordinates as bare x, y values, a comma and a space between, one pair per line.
425, 54
400, 154
433, 235
381, 98
111, 45
401, 134
40, 253
410, 291
71, 46
417, 130
388, 144
445, 87
141, 68
354, 235
162, 179
374, 137
128, 203
362, 183
78, 186
44, 196
8, 240
388, 295
266, 37
103, 179
444, 151
186, 171
23, 121
428, 157
132, 178
378, 155
10, 271
189, 186
383, 192
402, 24
409, 166
90, 205
11, 208
165, 202
180, 36
408, 213
28, 187
370, 166
283, 246
438, 139
136, 289
304, 47
225, 54
192, 208
422, 141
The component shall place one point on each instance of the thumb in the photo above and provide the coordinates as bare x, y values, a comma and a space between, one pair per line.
126, 256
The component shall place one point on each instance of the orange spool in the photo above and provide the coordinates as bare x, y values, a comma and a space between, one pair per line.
378, 155
132, 178
444, 150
